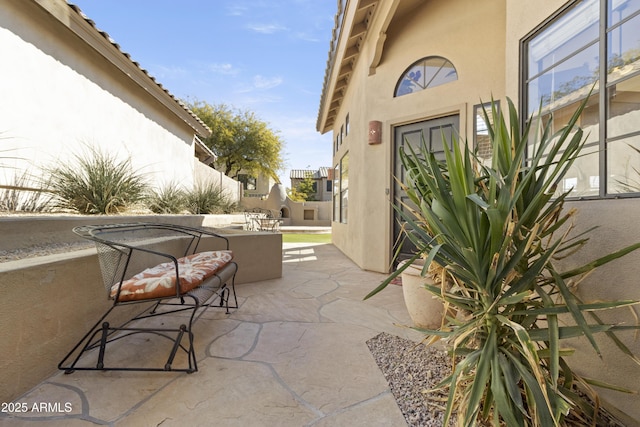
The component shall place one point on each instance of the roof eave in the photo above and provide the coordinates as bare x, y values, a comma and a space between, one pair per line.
344, 51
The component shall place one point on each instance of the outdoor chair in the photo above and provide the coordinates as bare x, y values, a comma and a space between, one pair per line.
252, 219
162, 269
272, 221
259, 219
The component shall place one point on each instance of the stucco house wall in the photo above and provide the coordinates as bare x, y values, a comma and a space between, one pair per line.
407, 32
67, 89
263, 184
483, 41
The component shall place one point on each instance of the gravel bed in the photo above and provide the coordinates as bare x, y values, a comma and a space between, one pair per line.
41, 250
411, 369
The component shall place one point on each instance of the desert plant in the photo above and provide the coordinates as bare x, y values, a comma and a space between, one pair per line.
496, 231
170, 199
21, 197
96, 183
206, 198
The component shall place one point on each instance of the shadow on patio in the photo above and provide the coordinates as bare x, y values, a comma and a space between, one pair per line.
294, 353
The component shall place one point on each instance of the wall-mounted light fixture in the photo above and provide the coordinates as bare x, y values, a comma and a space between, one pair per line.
375, 132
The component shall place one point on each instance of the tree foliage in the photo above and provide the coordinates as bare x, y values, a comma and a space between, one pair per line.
307, 187
241, 140
295, 195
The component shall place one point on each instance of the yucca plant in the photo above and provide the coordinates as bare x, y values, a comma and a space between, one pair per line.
96, 183
496, 231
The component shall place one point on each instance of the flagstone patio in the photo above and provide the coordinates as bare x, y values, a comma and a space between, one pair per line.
293, 354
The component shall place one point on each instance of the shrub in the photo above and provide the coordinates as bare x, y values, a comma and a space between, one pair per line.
170, 199
96, 183
21, 197
207, 199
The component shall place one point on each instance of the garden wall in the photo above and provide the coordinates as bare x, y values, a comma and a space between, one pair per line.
206, 174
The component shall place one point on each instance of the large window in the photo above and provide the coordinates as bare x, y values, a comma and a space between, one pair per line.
344, 188
341, 190
248, 181
591, 44
425, 73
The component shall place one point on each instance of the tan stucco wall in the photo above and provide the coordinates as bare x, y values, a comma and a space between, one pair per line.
472, 39
482, 40
322, 211
617, 227
58, 96
615, 281
49, 302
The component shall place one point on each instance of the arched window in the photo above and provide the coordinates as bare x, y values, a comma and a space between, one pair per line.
427, 72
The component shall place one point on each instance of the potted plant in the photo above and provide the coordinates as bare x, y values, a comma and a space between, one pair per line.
425, 309
495, 230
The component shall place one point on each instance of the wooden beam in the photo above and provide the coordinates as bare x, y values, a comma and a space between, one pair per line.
358, 29
345, 69
351, 52
366, 3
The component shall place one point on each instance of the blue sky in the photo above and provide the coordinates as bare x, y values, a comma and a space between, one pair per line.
266, 56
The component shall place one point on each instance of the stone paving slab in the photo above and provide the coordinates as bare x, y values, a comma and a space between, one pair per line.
293, 354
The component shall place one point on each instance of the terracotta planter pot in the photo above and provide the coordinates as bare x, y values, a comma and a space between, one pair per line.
424, 308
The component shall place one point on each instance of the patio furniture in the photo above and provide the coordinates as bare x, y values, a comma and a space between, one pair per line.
252, 219
271, 221
160, 268
259, 219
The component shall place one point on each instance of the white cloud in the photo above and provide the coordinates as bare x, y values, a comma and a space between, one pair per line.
264, 83
226, 69
308, 37
168, 72
260, 100
266, 28
236, 10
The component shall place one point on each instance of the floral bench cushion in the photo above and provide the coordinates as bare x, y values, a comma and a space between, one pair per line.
160, 281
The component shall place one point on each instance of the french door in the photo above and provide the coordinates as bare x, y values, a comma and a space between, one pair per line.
432, 131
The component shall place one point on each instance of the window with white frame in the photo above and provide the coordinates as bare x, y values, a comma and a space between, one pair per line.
591, 44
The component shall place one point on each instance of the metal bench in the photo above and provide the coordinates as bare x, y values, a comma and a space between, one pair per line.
163, 267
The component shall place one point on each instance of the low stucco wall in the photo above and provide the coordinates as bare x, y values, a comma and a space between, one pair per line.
32, 231
617, 227
296, 211
49, 302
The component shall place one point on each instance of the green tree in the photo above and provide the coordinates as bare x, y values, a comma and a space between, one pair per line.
295, 195
241, 141
307, 188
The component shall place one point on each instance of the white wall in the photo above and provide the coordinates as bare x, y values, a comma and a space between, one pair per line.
207, 175
59, 97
